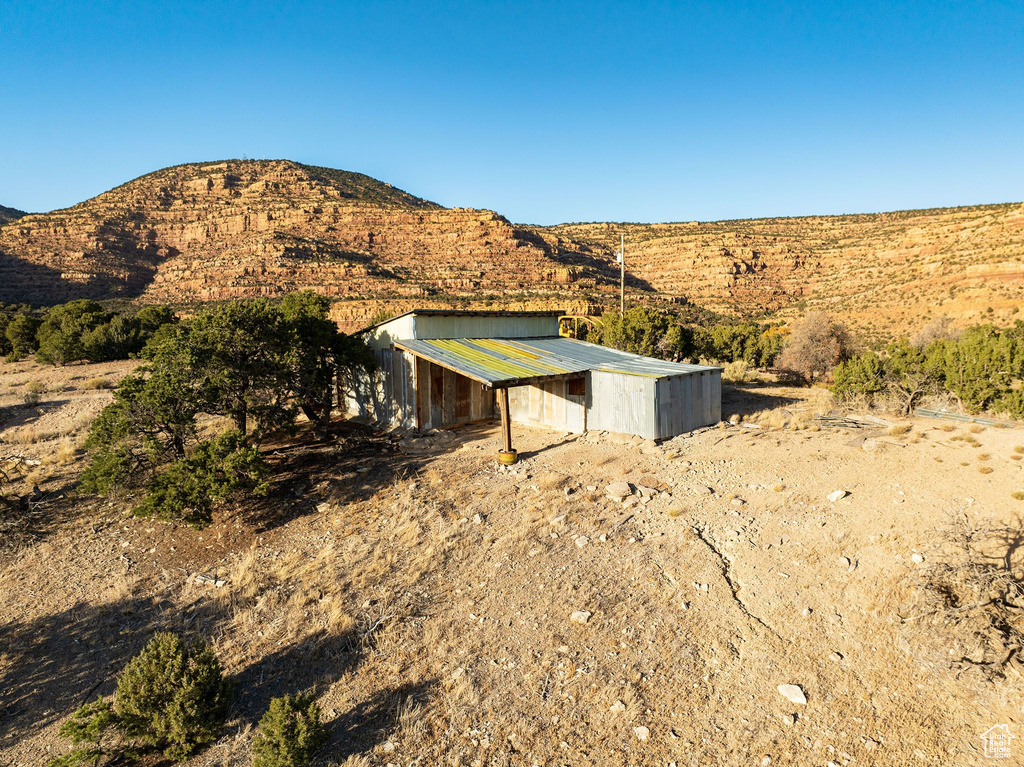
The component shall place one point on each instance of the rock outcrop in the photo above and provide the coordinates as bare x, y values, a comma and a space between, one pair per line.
877, 271
215, 231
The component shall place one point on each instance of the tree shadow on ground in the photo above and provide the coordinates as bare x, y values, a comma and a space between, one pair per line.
55, 663
365, 725
353, 465
27, 519
744, 399
13, 416
316, 660
552, 446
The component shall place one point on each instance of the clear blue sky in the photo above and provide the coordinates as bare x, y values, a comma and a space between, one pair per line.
545, 112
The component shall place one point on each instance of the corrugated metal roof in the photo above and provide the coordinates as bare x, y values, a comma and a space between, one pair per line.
507, 361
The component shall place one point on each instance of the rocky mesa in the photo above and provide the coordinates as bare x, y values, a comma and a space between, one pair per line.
208, 232
240, 228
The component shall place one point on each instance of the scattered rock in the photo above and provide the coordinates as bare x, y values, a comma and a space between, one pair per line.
650, 447
619, 490
569, 491
650, 481
917, 558
870, 744
580, 616
209, 580
701, 490
789, 720
617, 707
388, 747
591, 488
835, 495
582, 541
642, 733
793, 693
645, 491
478, 519
844, 562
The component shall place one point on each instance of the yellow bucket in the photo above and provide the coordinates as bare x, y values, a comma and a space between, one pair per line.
507, 459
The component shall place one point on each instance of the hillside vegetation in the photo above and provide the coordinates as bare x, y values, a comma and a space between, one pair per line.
9, 214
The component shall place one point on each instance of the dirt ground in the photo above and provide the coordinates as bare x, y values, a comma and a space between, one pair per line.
428, 595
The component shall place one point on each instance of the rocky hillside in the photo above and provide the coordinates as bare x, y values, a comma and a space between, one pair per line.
213, 231
9, 214
206, 232
879, 271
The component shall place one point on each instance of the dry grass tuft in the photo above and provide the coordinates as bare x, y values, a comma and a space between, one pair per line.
900, 429
98, 383
985, 469
65, 452
985, 457
738, 371
1017, 495
976, 429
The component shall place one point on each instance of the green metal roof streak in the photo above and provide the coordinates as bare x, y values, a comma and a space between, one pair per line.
501, 362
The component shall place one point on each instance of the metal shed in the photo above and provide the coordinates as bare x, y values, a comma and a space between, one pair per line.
439, 368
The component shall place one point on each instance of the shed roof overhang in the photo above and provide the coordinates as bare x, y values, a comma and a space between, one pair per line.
504, 362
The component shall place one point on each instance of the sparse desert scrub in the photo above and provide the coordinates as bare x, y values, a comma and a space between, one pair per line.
34, 391
738, 371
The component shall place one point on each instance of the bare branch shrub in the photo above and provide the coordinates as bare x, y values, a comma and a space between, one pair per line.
975, 594
939, 329
816, 346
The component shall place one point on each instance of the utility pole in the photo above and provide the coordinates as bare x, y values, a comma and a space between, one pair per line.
621, 258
